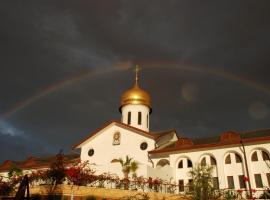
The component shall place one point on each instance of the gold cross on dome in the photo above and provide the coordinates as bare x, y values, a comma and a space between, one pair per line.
137, 69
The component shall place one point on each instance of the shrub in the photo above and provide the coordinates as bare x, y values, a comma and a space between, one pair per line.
266, 194
202, 186
230, 195
36, 197
90, 198
5, 187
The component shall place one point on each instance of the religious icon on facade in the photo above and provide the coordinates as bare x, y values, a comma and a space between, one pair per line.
116, 138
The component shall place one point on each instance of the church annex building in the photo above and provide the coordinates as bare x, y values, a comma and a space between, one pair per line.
234, 156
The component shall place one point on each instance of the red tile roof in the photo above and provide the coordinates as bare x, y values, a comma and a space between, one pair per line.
37, 163
229, 138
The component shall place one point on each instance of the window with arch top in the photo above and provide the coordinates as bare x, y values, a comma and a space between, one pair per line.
228, 159
203, 162
254, 156
265, 156
180, 164
238, 158
213, 161
189, 163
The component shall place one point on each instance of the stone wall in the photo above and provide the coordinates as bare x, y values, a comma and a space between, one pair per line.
100, 192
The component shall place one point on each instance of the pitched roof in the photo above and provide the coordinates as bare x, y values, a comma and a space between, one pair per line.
37, 163
229, 138
152, 135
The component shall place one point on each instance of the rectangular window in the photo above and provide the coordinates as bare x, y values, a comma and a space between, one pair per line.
190, 185
139, 118
129, 118
181, 185
215, 183
268, 178
147, 121
258, 180
230, 182
242, 183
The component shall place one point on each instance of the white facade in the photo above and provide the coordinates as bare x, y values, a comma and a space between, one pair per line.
136, 116
105, 150
167, 158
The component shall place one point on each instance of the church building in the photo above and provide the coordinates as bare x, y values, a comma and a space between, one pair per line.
240, 160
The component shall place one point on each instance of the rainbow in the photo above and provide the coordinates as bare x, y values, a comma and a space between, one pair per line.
126, 66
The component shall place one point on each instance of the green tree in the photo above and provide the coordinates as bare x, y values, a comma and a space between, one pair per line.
14, 170
202, 183
56, 173
128, 165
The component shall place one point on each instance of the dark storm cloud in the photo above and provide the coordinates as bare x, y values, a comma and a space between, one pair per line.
44, 42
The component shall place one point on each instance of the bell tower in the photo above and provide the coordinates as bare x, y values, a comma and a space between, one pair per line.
136, 105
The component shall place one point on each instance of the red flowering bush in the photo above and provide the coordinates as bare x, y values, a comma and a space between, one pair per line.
5, 187
80, 174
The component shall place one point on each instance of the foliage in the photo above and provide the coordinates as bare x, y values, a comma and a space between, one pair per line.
90, 198
56, 173
14, 171
36, 197
230, 195
128, 165
202, 186
80, 174
5, 187
266, 194
138, 196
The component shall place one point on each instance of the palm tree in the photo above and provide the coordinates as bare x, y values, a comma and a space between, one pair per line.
127, 166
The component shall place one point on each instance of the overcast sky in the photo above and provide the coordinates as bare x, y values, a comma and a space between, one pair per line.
64, 65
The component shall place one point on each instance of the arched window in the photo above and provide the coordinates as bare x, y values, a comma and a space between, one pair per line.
238, 159
129, 118
189, 163
213, 160
203, 162
163, 162
228, 159
147, 121
265, 156
254, 156
180, 164
139, 118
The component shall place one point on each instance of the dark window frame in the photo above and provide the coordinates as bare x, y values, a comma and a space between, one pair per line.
180, 164
189, 163
258, 180
203, 161
129, 118
91, 152
213, 160
140, 118
181, 186
230, 181
254, 156
265, 156
143, 146
228, 159
238, 158
242, 183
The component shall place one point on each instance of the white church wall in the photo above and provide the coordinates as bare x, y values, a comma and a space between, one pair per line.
164, 173
135, 109
222, 170
105, 151
261, 166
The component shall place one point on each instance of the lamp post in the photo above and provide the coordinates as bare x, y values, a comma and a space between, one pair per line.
246, 166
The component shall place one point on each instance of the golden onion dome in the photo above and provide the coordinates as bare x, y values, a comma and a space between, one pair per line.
136, 96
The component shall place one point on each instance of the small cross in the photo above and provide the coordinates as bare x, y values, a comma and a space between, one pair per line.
137, 69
